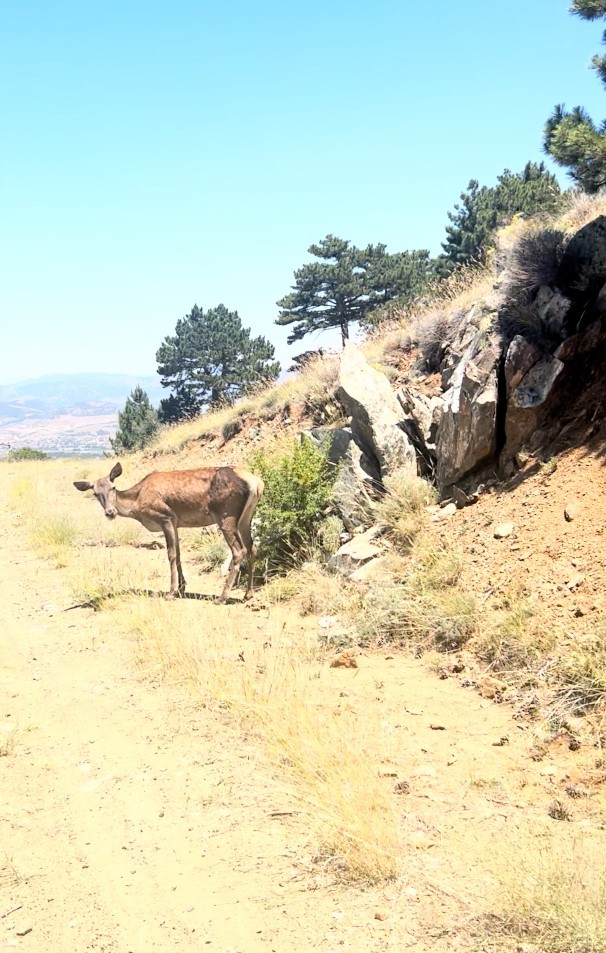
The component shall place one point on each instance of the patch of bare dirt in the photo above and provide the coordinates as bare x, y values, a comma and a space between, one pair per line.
557, 547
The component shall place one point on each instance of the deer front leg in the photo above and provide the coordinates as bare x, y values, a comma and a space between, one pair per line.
177, 580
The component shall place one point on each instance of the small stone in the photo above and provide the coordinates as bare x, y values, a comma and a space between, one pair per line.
380, 915
491, 687
577, 579
344, 660
503, 530
327, 621
571, 511
446, 512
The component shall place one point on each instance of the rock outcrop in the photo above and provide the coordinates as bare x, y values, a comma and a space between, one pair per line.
368, 398
505, 375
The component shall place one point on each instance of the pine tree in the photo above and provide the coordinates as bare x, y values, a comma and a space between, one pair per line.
137, 423
211, 359
572, 138
347, 284
482, 210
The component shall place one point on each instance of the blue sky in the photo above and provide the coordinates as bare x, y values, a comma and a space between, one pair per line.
157, 155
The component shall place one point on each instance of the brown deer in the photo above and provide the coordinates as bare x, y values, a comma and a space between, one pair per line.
164, 502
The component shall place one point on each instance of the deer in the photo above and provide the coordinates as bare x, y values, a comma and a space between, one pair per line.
166, 501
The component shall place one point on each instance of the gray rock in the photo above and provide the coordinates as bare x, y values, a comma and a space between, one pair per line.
444, 513
358, 551
537, 385
552, 308
503, 530
584, 261
468, 334
467, 430
462, 499
367, 396
527, 405
356, 486
424, 411
370, 570
520, 357
571, 511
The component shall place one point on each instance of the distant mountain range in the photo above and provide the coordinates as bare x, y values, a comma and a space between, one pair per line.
68, 413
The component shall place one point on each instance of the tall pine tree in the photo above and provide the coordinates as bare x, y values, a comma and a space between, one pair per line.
347, 284
137, 423
572, 138
210, 360
482, 210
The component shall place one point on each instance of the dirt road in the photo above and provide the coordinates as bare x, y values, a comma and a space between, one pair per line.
135, 821
129, 819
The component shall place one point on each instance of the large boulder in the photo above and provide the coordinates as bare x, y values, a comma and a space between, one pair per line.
421, 420
528, 404
468, 328
521, 355
367, 396
583, 264
467, 431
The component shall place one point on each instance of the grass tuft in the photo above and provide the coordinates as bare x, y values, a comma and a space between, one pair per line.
553, 896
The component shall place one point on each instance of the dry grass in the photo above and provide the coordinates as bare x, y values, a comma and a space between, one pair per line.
272, 689
315, 591
580, 209
9, 739
416, 600
580, 670
551, 893
514, 637
209, 550
313, 389
403, 509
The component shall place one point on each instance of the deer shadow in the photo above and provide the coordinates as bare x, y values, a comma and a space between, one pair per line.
153, 594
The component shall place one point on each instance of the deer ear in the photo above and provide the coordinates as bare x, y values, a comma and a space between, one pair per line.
83, 485
115, 473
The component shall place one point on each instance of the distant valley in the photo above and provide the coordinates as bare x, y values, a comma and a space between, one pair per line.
67, 414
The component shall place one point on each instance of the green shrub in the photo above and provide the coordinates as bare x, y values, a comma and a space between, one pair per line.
298, 489
25, 453
210, 551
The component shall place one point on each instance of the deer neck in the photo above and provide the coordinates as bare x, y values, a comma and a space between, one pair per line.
125, 502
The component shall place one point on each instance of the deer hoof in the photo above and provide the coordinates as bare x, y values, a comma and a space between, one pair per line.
220, 600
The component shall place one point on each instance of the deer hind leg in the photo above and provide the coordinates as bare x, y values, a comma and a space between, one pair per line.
177, 579
247, 541
229, 528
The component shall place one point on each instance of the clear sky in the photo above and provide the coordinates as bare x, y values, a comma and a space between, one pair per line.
157, 155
